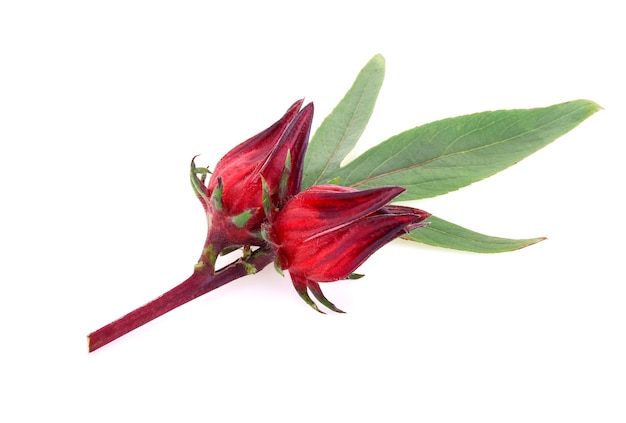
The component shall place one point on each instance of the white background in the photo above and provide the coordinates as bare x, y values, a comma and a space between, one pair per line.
102, 106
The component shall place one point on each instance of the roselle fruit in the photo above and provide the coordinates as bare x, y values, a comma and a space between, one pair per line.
252, 197
326, 232
265, 169
233, 197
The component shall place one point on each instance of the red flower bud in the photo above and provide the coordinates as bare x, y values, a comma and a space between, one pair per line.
326, 232
234, 196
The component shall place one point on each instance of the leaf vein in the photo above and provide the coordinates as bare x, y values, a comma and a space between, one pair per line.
344, 135
372, 176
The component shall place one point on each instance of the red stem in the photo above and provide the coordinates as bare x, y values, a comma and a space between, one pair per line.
199, 283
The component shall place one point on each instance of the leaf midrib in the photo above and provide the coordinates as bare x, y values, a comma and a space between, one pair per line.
343, 137
445, 156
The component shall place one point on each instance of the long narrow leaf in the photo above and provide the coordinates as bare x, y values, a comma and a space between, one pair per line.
339, 132
446, 155
441, 233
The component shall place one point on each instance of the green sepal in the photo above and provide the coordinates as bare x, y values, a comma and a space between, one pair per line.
263, 233
303, 292
216, 196
314, 287
278, 269
355, 276
241, 220
268, 207
198, 184
284, 179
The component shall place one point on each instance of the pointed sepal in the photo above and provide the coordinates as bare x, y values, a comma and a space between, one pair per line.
216, 196
283, 189
197, 184
268, 206
314, 287
278, 268
241, 220
301, 289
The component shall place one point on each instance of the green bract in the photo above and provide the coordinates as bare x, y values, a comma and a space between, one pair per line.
434, 158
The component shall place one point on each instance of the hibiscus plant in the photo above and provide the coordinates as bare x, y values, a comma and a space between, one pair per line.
278, 198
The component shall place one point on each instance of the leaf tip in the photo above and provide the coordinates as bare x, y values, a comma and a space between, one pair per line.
378, 59
591, 106
532, 241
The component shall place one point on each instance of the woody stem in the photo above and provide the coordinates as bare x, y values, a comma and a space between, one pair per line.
199, 283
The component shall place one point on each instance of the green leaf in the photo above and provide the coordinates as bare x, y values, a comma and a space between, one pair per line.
339, 132
446, 155
441, 233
